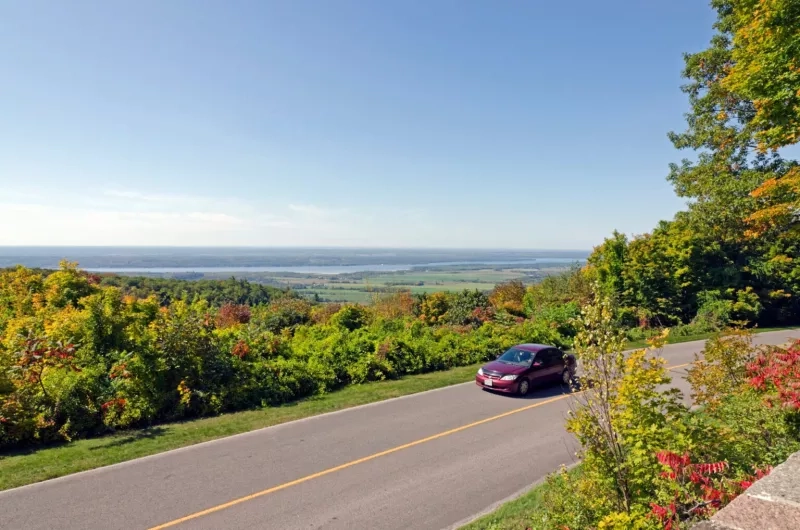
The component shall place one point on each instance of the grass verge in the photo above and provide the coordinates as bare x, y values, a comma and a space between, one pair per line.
516, 514
18, 469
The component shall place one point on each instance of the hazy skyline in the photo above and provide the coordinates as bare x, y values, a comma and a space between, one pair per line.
348, 123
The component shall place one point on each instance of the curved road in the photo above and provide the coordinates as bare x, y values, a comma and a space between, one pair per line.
428, 461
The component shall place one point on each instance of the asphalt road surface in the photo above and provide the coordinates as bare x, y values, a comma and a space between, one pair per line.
428, 461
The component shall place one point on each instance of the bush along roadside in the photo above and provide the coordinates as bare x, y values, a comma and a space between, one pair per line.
648, 461
79, 358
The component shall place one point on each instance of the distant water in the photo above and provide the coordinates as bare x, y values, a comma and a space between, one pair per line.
332, 269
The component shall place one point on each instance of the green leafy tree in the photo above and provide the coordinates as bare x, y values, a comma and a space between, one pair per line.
351, 317
433, 307
742, 195
508, 296
765, 64
621, 417
462, 307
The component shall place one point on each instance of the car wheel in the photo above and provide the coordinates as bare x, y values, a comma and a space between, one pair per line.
523, 387
566, 376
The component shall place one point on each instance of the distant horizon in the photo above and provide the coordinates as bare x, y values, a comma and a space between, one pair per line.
173, 257
308, 247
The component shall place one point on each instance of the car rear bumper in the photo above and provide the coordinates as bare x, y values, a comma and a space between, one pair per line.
497, 385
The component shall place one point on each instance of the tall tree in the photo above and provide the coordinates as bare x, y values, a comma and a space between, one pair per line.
765, 65
743, 193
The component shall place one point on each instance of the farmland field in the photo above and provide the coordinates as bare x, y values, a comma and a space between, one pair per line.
362, 287
325, 275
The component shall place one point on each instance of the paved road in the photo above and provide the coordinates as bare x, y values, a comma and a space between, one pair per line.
427, 461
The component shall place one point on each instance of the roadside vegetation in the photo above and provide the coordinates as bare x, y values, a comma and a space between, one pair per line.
647, 461
25, 466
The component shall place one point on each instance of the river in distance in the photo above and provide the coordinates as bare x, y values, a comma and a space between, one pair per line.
331, 269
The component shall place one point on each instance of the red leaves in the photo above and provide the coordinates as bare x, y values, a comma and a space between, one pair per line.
116, 405
706, 469
698, 474
698, 491
240, 349
759, 474
681, 464
665, 515
778, 372
232, 314
38, 351
674, 461
659, 511
120, 371
483, 314
38, 354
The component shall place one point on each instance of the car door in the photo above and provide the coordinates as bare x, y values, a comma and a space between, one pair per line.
537, 373
553, 362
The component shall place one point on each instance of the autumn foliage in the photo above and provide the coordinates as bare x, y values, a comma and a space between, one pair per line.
81, 358
777, 373
648, 460
232, 314
699, 489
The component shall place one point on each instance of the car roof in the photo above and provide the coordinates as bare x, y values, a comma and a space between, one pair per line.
533, 348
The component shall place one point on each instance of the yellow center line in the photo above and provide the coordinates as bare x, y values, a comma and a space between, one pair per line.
678, 366
352, 463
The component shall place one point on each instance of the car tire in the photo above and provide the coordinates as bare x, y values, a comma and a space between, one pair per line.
523, 387
566, 377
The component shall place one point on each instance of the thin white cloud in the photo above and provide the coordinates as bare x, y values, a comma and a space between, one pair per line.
135, 195
130, 217
307, 209
315, 211
133, 218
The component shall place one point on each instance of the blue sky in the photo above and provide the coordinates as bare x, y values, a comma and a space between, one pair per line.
453, 123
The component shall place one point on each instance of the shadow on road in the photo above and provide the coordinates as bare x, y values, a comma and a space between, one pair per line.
152, 432
542, 392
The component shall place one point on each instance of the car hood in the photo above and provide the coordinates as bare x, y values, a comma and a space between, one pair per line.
503, 368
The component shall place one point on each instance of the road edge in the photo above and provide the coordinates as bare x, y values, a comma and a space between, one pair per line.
496, 505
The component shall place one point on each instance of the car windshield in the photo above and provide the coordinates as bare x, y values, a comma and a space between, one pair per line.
516, 356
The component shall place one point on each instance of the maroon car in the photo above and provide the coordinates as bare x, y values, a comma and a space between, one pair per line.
525, 365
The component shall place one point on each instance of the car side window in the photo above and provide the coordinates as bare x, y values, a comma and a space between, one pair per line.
553, 356
558, 357
545, 358
524, 357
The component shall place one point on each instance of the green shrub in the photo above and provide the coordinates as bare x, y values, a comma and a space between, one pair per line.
137, 362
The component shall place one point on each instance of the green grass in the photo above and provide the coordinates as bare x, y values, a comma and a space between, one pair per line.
347, 290
361, 292
476, 276
516, 514
46, 463
339, 295
460, 286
